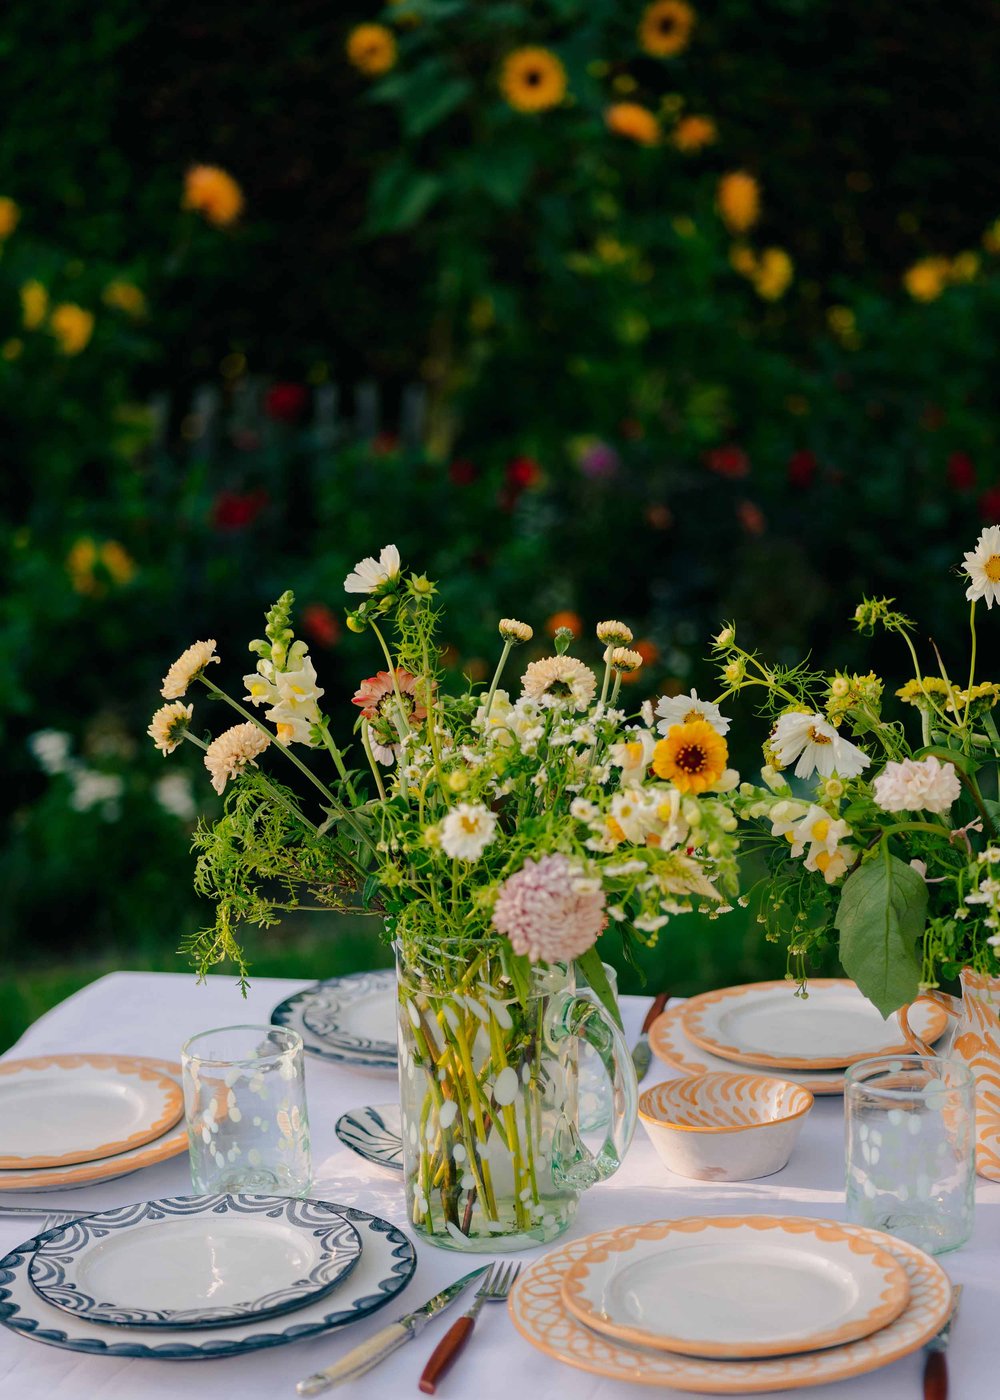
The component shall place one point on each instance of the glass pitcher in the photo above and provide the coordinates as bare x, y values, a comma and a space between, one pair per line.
492, 1153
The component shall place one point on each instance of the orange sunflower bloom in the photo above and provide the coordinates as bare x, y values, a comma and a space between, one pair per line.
213, 193
633, 121
533, 80
371, 48
738, 201
665, 27
693, 133
693, 756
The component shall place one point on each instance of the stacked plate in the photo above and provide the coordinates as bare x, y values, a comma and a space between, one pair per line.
809, 1040
69, 1120
732, 1305
192, 1277
349, 1021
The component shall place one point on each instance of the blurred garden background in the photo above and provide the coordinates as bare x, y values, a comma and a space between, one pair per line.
665, 312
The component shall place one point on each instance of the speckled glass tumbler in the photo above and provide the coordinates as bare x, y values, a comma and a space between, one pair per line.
245, 1106
910, 1126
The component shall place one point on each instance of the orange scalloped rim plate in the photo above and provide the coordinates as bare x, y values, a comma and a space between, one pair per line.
669, 1043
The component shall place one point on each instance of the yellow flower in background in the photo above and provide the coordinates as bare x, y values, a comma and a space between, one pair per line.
965, 267
10, 216
634, 121
737, 199
927, 279
118, 562
34, 305
80, 563
844, 325
991, 238
692, 756
72, 327
533, 80
624, 83
773, 274
11, 349
694, 133
213, 193
743, 259
665, 27
125, 296
371, 48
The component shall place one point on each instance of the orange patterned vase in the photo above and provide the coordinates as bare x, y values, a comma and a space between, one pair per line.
977, 1042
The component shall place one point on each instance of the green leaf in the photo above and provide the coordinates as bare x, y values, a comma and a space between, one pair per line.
880, 920
506, 174
962, 761
400, 197
424, 111
591, 967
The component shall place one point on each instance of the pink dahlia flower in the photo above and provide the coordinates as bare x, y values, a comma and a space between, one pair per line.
550, 910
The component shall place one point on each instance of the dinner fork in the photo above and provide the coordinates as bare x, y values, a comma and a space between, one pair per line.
46, 1213
493, 1289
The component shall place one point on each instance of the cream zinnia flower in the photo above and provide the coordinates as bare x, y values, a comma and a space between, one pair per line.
818, 747
917, 785
682, 709
372, 575
624, 660
614, 633
187, 668
513, 631
467, 830
229, 754
562, 677
169, 725
982, 565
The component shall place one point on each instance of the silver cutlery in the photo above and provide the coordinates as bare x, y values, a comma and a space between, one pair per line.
368, 1355
53, 1217
641, 1053
493, 1289
936, 1365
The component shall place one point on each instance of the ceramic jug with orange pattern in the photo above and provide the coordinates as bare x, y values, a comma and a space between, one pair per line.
977, 1042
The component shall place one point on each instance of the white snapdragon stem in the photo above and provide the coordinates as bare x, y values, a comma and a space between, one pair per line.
394, 678
367, 743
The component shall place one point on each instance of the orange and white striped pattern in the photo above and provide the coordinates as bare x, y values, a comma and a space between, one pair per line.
723, 1102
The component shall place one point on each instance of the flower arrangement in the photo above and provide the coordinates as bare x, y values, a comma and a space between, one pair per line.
886, 830
478, 815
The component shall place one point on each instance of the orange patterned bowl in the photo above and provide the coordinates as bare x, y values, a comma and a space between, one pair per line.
724, 1127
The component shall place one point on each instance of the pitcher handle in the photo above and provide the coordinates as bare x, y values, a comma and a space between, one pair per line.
577, 1166
953, 1006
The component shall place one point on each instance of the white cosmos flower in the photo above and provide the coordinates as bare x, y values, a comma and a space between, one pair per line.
635, 812
681, 709
371, 574
982, 565
467, 830
818, 747
917, 785
633, 756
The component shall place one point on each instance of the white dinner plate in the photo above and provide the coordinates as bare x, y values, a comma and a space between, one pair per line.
736, 1286
386, 1266
669, 1043
169, 1144
374, 1133
196, 1261
835, 1025
349, 1020
541, 1316
58, 1110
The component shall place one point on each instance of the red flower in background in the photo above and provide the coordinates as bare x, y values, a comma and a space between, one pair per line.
523, 473
462, 472
989, 505
235, 510
751, 517
286, 403
802, 468
320, 624
961, 471
384, 444
729, 461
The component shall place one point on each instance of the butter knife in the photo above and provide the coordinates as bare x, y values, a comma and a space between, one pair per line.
368, 1355
936, 1365
641, 1053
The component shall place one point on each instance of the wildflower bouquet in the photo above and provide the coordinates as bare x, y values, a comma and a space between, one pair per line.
497, 836
895, 842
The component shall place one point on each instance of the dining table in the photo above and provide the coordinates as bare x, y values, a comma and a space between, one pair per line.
154, 1013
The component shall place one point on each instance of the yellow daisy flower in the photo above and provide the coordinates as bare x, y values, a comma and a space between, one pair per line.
213, 193
34, 305
773, 274
927, 278
665, 27
125, 296
737, 199
693, 133
692, 756
633, 121
72, 327
532, 80
371, 48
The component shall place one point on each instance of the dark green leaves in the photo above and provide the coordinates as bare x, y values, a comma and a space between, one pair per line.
880, 920
591, 967
400, 197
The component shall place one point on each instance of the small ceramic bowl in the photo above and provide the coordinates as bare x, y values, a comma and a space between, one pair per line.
724, 1127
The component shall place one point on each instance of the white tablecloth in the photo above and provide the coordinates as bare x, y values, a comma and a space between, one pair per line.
152, 1013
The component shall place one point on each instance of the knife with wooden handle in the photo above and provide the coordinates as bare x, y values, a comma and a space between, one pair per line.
641, 1054
936, 1365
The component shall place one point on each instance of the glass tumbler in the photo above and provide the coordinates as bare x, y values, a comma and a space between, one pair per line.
245, 1107
910, 1124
